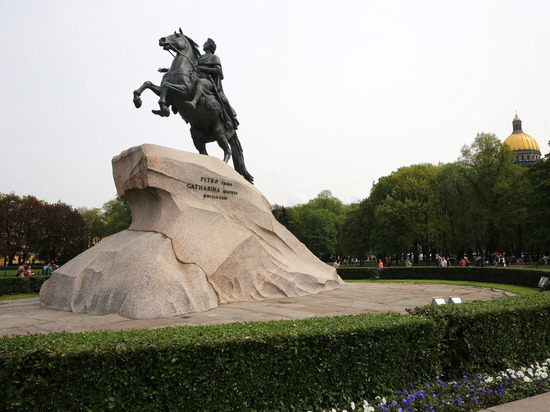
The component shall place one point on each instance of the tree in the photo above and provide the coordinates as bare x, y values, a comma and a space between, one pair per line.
117, 215
318, 224
457, 229
19, 226
63, 233
536, 225
96, 226
405, 220
497, 191
281, 214
316, 228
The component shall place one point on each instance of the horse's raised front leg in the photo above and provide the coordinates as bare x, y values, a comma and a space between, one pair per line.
147, 85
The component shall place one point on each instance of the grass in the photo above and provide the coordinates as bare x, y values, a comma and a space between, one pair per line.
518, 290
19, 296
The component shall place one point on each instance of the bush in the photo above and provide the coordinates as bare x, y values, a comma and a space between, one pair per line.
491, 335
263, 365
15, 285
303, 365
507, 276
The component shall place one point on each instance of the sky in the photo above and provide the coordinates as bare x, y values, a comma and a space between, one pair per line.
330, 95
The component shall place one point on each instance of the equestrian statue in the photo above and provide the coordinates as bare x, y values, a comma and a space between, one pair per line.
192, 88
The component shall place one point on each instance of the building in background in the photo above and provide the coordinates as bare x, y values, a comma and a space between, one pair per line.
526, 149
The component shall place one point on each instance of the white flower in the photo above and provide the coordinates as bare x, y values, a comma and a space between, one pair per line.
367, 407
520, 374
527, 379
489, 379
352, 406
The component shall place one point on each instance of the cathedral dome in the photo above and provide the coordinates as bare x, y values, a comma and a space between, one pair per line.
521, 141
526, 149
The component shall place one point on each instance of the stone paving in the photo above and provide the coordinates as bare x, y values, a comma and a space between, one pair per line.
24, 316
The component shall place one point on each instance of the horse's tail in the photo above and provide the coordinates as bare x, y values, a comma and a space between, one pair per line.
238, 158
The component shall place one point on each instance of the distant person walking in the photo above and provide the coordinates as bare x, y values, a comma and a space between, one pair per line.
380, 264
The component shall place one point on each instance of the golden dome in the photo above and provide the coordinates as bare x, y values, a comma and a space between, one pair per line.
521, 141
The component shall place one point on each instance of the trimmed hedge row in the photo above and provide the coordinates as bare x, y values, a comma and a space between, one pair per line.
10, 286
507, 276
285, 365
491, 335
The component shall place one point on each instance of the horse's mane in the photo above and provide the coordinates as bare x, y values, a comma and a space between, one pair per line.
194, 46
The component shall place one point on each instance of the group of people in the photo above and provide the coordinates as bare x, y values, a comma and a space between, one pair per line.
465, 262
47, 270
22, 272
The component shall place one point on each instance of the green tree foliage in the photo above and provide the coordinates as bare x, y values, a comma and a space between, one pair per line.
497, 190
537, 222
318, 224
96, 226
456, 227
117, 215
409, 217
281, 214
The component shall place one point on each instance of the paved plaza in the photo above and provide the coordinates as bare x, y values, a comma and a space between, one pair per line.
24, 316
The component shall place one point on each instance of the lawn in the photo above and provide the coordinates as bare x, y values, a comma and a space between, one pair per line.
518, 290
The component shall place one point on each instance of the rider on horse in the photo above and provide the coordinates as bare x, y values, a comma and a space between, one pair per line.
210, 76
210, 70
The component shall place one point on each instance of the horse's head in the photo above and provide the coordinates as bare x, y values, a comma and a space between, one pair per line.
179, 42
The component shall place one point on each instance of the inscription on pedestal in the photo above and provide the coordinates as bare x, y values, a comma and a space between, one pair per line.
209, 184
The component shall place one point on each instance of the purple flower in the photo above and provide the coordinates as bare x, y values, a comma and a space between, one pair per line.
474, 400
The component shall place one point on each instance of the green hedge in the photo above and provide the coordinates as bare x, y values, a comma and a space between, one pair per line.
292, 365
15, 285
491, 335
285, 365
520, 277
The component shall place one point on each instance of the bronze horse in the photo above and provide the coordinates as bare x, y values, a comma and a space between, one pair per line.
209, 122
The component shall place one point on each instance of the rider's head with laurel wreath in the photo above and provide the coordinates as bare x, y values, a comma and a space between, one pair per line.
209, 45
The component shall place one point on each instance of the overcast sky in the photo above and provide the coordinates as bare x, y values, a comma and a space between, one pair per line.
330, 94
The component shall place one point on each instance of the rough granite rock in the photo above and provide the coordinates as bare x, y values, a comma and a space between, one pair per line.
199, 231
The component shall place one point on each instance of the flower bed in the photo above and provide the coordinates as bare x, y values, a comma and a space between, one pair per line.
467, 394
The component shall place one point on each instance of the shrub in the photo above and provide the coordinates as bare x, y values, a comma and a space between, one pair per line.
263, 365
490, 335
10, 286
520, 277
